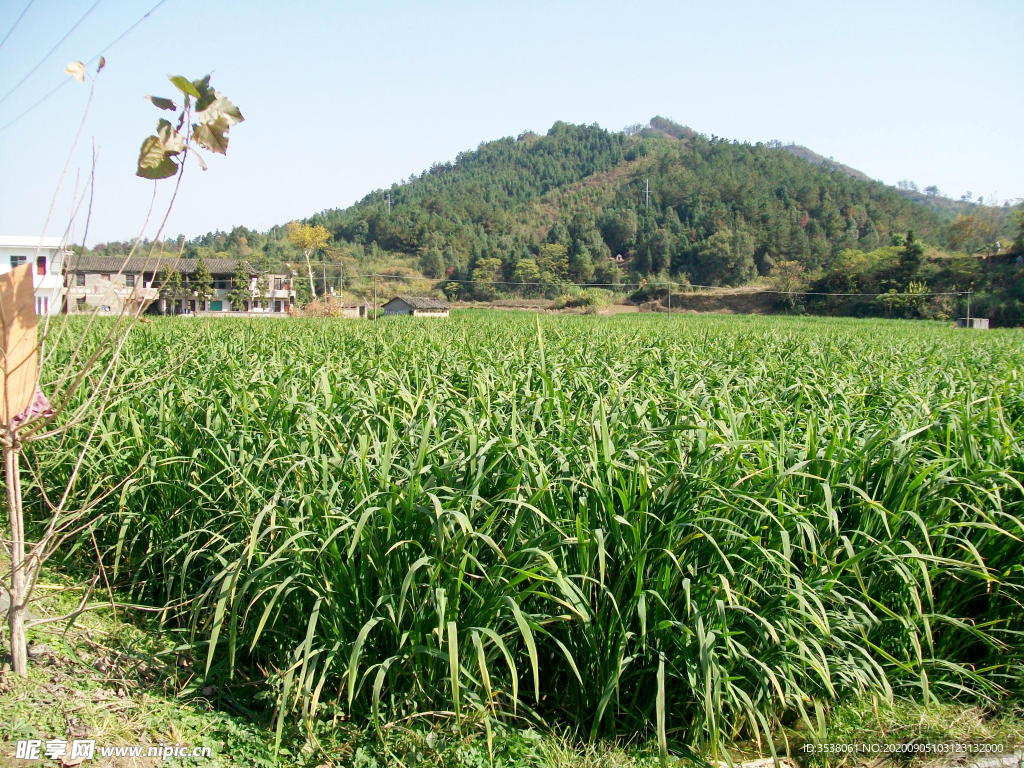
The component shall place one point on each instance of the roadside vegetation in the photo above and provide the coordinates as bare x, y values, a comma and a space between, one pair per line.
683, 534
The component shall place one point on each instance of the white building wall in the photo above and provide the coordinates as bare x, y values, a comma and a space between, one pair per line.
46, 255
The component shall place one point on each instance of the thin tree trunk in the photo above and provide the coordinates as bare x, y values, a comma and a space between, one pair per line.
16, 614
309, 268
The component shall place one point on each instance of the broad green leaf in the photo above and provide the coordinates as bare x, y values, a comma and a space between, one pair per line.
162, 103
184, 86
531, 645
173, 141
220, 107
153, 161
353, 662
212, 136
205, 95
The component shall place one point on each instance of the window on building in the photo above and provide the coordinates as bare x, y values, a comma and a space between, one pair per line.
129, 280
278, 283
106, 276
80, 280
17, 261
80, 302
40, 265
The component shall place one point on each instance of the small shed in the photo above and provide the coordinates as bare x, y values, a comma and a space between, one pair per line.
978, 323
417, 306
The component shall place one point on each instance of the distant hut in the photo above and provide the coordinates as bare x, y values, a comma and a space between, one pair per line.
417, 306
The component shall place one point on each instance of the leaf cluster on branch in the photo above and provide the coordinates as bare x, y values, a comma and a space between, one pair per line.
208, 112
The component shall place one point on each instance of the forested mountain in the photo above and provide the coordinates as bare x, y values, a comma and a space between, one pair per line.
820, 160
718, 212
583, 204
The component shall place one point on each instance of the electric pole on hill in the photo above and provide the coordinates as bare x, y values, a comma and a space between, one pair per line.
647, 193
389, 203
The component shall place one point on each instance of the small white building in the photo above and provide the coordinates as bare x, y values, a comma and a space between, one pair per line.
46, 254
417, 306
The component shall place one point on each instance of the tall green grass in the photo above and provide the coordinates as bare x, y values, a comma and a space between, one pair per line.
692, 528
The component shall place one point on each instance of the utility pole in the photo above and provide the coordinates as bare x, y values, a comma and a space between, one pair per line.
342, 283
647, 193
968, 309
670, 299
375, 297
389, 203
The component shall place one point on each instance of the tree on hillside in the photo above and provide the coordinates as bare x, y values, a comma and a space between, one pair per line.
790, 280
553, 262
911, 257
485, 273
527, 272
431, 262
619, 228
581, 265
661, 251
727, 257
240, 290
308, 239
1018, 219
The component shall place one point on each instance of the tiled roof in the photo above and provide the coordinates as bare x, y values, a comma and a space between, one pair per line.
138, 264
424, 302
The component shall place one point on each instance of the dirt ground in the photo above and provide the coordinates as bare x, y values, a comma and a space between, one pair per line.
725, 301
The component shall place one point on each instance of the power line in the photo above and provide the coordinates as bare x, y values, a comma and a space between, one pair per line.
16, 23
37, 66
90, 61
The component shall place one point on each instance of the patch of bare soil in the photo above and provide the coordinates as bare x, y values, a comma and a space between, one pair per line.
726, 302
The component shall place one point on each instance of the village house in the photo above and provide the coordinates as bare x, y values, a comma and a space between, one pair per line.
417, 306
47, 255
109, 282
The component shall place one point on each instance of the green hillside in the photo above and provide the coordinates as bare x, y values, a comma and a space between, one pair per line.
525, 215
719, 212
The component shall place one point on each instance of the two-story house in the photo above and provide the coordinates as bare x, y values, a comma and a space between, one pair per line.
108, 282
47, 255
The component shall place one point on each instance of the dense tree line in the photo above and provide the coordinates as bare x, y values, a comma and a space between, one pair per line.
585, 205
718, 212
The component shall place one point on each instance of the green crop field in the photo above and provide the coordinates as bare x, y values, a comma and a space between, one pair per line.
688, 529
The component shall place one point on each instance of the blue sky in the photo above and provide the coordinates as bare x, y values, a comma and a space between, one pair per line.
343, 98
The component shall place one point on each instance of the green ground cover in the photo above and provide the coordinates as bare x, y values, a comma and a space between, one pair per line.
686, 533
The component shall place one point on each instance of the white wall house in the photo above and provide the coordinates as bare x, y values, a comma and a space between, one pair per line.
106, 283
46, 254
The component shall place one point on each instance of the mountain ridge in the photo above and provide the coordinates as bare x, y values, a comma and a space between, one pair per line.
565, 205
